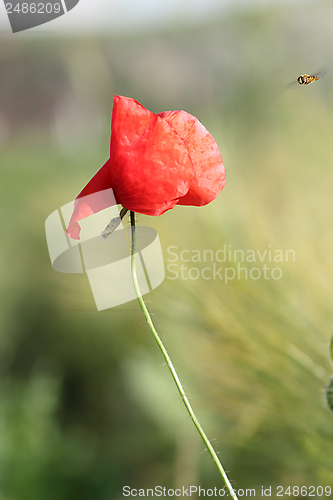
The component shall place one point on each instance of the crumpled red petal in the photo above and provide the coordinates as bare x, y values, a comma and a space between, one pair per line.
156, 161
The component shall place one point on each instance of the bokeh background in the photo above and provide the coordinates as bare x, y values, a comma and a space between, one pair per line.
86, 404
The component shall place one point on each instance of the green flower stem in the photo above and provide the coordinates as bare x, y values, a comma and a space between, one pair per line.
170, 364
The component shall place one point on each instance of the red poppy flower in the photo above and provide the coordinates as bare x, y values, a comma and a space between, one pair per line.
156, 161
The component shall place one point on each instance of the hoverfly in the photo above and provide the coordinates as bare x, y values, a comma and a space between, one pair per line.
307, 79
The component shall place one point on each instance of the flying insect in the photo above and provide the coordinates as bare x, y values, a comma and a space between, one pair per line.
307, 79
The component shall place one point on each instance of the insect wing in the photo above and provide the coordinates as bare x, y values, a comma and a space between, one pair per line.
292, 84
320, 74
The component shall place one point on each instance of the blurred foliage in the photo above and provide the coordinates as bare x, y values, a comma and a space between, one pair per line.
86, 406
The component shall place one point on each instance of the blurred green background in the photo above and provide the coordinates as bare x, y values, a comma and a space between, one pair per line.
86, 404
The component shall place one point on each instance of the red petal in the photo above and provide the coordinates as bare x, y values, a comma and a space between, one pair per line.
151, 167
209, 173
156, 162
86, 205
